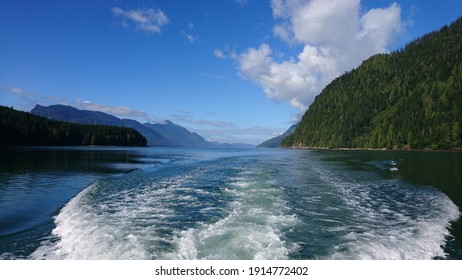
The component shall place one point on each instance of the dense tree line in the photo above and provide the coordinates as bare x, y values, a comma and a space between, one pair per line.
409, 99
21, 128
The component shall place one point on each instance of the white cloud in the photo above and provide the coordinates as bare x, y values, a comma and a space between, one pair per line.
378, 24
26, 100
219, 54
188, 118
17, 91
320, 21
190, 37
118, 111
248, 135
335, 37
225, 53
150, 20
23, 99
223, 131
289, 80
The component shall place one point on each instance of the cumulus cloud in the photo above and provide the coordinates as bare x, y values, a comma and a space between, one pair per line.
289, 80
334, 35
118, 111
150, 20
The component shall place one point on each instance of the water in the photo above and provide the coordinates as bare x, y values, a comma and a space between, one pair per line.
160, 203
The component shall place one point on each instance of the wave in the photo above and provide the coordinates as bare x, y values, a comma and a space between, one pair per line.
252, 229
118, 218
82, 233
252, 209
390, 219
174, 213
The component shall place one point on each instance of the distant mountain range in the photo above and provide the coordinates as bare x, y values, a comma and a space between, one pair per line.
19, 128
165, 134
276, 142
74, 115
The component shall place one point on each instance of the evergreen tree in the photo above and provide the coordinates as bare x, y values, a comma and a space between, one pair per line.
411, 98
20, 128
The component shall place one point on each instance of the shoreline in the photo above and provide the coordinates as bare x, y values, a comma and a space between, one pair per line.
458, 150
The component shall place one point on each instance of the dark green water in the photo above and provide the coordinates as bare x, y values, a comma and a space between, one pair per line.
157, 203
442, 170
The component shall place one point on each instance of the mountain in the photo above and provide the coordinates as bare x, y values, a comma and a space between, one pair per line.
168, 134
177, 135
408, 99
71, 114
20, 128
165, 134
276, 142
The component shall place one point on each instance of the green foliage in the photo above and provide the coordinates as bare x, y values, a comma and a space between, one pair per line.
411, 98
20, 128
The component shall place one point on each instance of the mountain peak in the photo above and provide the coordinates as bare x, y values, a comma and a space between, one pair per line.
161, 134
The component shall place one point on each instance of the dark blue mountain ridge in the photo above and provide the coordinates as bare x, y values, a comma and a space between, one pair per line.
163, 135
178, 135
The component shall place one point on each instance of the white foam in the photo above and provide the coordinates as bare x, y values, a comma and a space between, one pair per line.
121, 225
251, 230
392, 220
83, 234
365, 220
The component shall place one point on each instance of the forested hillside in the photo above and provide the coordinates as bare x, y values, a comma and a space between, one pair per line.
166, 134
21, 128
409, 99
74, 115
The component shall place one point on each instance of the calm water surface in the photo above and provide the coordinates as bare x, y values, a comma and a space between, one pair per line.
161, 203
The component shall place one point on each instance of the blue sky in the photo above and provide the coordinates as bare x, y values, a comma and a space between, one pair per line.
231, 70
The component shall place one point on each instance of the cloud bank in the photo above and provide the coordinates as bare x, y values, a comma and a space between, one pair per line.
223, 131
188, 118
149, 20
334, 36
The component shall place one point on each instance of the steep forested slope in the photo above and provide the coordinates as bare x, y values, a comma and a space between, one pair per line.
411, 98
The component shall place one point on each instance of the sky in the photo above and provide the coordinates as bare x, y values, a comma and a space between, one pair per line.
237, 71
